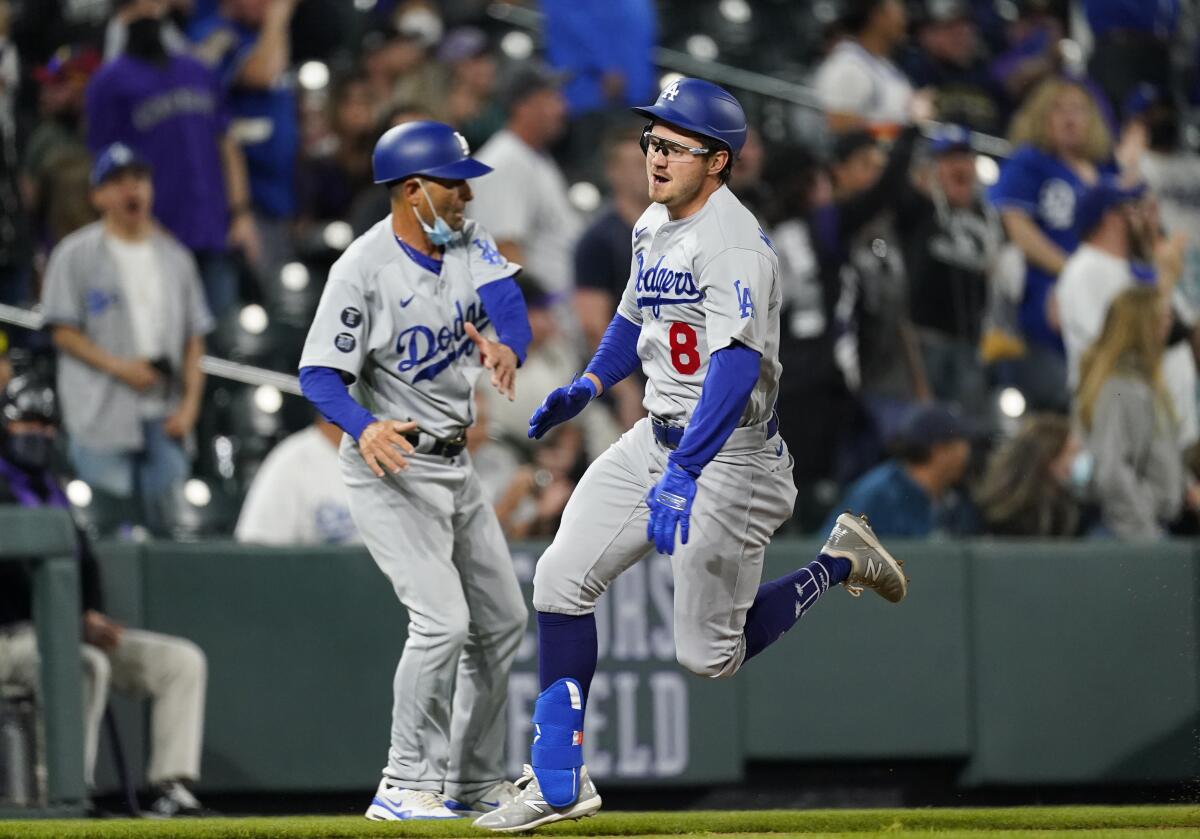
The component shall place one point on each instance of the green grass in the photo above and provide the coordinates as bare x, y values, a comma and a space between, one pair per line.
1047, 822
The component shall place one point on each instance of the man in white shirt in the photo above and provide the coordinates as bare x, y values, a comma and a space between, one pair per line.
523, 201
298, 497
857, 84
126, 310
1119, 246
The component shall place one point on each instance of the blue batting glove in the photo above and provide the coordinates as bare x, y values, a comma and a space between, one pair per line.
561, 405
670, 502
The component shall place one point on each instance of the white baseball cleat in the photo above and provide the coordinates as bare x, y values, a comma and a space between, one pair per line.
493, 798
870, 565
393, 804
529, 810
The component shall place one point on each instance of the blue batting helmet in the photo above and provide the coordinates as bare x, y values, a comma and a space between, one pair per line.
424, 147
702, 108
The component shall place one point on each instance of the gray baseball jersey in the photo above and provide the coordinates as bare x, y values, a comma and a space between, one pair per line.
388, 319
398, 328
697, 285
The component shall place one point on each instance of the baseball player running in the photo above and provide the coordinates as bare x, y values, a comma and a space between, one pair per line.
706, 477
399, 322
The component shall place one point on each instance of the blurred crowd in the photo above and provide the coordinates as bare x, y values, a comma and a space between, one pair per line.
987, 220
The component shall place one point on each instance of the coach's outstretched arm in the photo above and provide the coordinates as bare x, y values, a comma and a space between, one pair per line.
505, 308
615, 359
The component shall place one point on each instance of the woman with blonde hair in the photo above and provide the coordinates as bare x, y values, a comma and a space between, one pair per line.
1062, 146
1126, 413
1027, 489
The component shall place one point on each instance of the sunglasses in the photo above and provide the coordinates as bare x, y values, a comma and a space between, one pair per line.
652, 144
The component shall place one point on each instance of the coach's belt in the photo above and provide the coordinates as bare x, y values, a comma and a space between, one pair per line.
670, 435
424, 443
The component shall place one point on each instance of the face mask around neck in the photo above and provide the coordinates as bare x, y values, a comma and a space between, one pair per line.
440, 233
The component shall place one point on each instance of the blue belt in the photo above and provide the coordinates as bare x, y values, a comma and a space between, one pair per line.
670, 435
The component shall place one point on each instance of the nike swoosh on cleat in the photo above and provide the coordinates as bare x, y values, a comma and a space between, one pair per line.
404, 303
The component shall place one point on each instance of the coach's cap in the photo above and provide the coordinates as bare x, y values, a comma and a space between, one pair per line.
116, 159
424, 147
1107, 194
950, 138
932, 423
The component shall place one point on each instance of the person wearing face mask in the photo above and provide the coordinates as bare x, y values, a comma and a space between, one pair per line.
400, 320
1123, 247
171, 671
171, 109
126, 312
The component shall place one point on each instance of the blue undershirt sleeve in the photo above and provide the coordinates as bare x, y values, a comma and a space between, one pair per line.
731, 377
505, 308
324, 388
616, 357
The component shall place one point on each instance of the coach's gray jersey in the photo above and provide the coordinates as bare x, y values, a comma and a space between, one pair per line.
398, 327
697, 285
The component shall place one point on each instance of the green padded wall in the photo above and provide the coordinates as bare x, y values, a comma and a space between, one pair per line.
1085, 663
1032, 663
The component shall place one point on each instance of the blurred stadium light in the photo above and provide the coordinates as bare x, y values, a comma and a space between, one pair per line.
313, 75
702, 47
736, 11
584, 196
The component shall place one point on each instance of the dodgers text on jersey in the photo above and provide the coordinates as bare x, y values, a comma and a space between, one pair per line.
418, 345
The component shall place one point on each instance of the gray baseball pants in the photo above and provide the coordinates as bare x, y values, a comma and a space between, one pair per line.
742, 497
435, 537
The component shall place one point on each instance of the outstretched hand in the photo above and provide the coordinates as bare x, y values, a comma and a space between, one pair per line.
499, 358
560, 405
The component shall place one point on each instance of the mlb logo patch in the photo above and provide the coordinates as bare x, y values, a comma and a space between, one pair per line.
576, 738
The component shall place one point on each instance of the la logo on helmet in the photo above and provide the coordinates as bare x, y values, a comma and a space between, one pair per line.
462, 141
671, 92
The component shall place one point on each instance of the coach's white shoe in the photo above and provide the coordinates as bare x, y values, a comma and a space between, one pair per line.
493, 798
870, 565
529, 810
393, 803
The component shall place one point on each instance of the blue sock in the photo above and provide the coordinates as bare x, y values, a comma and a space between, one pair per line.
567, 649
780, 603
